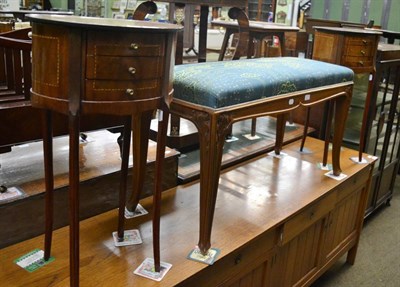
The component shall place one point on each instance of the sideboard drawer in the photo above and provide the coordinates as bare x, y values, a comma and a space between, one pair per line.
123, 68
307, 217
103, 90
125, 44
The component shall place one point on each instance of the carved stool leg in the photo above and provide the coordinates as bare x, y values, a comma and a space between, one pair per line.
140, 144
47, 129
305, 131
175, 125
74, 199
212, 137
253, 127
160, 155
341, 110
280, 132
126, 142
327, 136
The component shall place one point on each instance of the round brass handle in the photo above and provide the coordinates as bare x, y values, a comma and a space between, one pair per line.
361, 63
134, 46
130, 92
365, 42
362, 52
132, 70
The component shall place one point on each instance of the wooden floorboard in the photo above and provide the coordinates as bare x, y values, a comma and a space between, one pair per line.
253, 197
99, 182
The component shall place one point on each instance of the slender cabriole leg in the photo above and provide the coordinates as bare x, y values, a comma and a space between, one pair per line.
74, 198
126, 142
342, 104
140, 144
280, 132
212, 138
47, 128
305, 131
160, 155
327, 132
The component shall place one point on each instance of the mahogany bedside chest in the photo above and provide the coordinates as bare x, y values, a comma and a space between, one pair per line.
102, 66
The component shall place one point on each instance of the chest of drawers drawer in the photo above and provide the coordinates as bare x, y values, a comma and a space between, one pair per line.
357, 62
123, 68
110, 90
359, 51
125, 44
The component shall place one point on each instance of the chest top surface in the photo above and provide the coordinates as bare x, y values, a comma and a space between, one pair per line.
103, 65
102, 23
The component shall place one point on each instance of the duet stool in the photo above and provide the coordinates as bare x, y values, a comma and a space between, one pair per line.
214, 95
102, 66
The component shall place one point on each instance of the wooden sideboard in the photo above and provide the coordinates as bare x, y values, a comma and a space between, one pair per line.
306, 243
279, 222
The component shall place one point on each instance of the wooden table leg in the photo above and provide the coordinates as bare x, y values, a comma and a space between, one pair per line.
47, 129
363, 130
140, 144
126, 142
160, 155
225, 42
74, 198
204, 10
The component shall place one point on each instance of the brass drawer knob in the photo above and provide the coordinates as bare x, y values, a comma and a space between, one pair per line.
364, 42
130, 92
132, 70
362, 52
361, 63
134, 46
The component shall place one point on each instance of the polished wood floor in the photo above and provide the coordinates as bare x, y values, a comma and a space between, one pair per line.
253, 197
99, 156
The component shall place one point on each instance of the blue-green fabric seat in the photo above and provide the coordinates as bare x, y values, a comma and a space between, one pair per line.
222, 84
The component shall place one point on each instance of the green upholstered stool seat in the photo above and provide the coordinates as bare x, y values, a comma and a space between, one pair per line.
222, 84
215, 95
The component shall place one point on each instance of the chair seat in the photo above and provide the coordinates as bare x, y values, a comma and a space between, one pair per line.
221, 84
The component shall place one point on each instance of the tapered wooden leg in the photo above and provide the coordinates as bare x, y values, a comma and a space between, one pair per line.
203, 33
140, 144
225, 43
305, 131
253, 126
126, 142
74, 199
160, 155
47, 130
280, 132
341, 110
327, 136
175, 125
212, 138
363, 130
